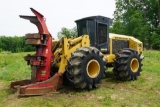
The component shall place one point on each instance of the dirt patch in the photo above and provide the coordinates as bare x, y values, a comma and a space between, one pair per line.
2, 85
113, 97
89, 96
158, 92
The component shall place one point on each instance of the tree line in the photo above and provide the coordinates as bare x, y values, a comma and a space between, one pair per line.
138, 18
14, 44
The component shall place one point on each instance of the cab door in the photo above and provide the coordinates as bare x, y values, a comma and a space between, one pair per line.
103, 37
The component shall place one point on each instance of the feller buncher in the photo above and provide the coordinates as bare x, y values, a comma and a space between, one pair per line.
79, 62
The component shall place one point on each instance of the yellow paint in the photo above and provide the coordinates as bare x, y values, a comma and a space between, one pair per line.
109, 58
110, 44
134, 65
93, 68
68, 46
133, 42
43, 72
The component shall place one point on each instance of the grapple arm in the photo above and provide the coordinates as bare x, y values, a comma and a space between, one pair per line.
41, 81
38, 20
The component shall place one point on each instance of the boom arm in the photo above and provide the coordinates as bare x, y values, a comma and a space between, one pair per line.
68, 46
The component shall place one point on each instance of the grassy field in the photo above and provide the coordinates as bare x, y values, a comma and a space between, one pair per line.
145, 92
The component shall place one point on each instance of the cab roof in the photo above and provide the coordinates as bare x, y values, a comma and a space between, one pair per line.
98, 18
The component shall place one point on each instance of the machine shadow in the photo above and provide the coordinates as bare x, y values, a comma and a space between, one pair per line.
109, 78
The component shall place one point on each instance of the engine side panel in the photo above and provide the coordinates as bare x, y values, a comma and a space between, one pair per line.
123, 41
118, 42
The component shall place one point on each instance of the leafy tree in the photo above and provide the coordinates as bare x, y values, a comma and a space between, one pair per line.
67, 32
155, 39
138, 18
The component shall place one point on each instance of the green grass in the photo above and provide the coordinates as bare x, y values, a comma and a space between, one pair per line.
145, 92
13, 66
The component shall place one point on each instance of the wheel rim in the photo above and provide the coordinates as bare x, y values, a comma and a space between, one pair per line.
134, 65
93, 68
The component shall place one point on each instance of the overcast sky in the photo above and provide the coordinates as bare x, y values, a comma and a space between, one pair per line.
58, 14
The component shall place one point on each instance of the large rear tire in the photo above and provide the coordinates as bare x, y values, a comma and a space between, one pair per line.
127, 64
86, 68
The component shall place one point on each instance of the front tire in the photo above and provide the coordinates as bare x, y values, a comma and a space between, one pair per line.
85, 68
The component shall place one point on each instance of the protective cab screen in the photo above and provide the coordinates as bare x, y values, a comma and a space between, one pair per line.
82, 28
102, 32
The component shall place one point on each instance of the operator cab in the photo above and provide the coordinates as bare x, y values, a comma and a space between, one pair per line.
97, 27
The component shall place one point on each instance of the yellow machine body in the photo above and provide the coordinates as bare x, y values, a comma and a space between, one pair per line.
133, 43
68, 46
